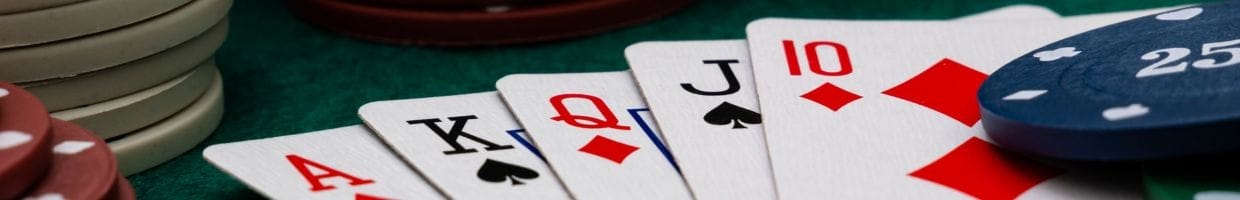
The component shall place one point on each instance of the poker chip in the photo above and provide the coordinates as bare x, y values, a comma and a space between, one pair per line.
99, 51
504, 25
25, 140
46, 22
173, 136
123, 190
1158, 86
134, 111
460, 3
82, 166
125, 79
16, 6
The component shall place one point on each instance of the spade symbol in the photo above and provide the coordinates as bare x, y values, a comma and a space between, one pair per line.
496, 171
727, 113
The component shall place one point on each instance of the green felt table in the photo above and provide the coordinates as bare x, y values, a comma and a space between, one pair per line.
283, 76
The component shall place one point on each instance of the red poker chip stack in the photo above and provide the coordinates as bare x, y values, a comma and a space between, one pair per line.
44, 158
477, 22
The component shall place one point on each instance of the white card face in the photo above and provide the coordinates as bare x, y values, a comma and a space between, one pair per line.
1014, 12
703, 93
341, 163
467, 145
888, 110
596, 133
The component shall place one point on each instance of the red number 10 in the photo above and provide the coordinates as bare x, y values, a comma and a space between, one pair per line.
811, 54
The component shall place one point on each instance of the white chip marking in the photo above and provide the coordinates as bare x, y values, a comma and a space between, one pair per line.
10, 139
48, 196
1216, 195
1125, 112
1024, 95
498, 9
1052, 55
4, 92
72, 147
1180, 15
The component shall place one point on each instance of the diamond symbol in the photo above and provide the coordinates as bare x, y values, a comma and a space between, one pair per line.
947, 87
831, 96
1024, 95
10, 139
984, 171
608, 149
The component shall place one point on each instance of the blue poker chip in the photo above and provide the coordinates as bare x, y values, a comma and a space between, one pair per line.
1159, 86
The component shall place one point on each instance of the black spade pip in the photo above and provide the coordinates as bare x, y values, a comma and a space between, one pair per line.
496, 171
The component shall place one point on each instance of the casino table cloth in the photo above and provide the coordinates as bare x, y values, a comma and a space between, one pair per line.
283, 76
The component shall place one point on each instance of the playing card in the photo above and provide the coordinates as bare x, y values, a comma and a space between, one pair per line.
888, 109
596, 133
702, 92
341, 163
464, 146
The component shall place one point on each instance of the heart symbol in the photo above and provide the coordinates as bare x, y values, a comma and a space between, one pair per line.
1125, 112
10, 139
1180, 15
1216, 195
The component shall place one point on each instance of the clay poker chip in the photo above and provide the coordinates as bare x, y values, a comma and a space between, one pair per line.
516, 24
25, 151
16, 6
125, 79
1159, 86
134, 111
462, 3
173, 136
123, 190
67, 58
82, 166
73, 18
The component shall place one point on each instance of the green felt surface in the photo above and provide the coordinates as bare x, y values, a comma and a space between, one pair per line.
283, 76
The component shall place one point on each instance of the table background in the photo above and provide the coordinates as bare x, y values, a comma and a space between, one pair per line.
283, 76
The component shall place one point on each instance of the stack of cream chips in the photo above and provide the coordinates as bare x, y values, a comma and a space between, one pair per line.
139, 73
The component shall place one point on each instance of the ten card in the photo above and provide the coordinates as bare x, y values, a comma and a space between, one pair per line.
341, 163
467, 145
855, 109
596, 133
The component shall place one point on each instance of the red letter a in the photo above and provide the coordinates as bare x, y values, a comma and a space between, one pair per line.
316, 181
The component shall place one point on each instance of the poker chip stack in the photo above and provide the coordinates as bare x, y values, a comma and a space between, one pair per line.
45, 158
477, 22
139, 74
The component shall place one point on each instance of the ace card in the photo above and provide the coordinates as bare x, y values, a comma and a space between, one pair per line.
465, 145
341, 163
597, 134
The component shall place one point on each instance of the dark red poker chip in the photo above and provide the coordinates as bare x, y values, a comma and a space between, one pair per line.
123, 190
456, 3
508, 25
25, 139
83, 166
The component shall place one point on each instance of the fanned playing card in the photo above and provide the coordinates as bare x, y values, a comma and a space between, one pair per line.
857, 110
467, 145
597, 134
341, 163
